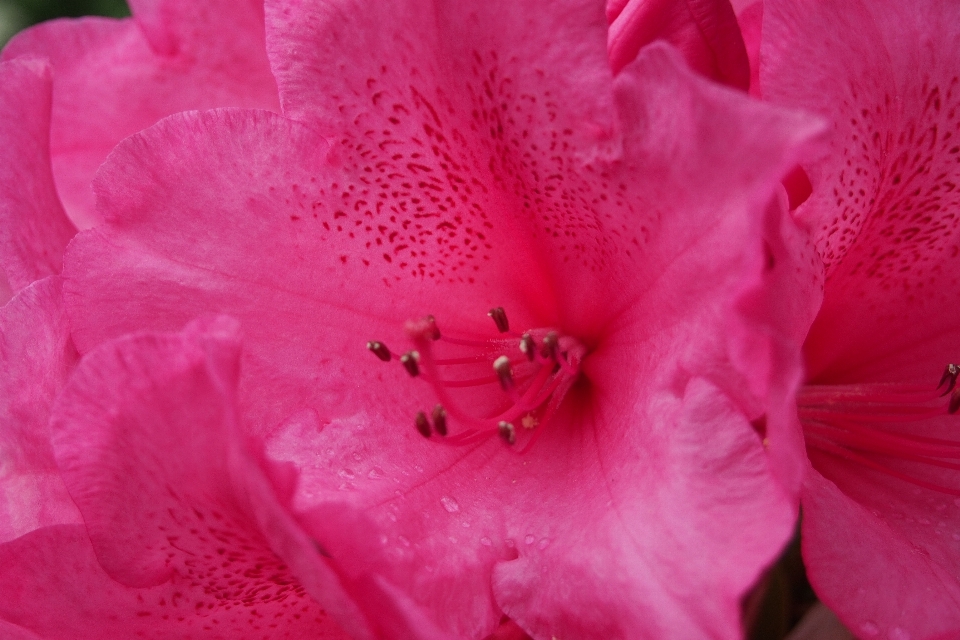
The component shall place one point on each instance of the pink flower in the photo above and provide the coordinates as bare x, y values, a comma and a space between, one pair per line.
113, 78
449, 160
881, 525
705, 31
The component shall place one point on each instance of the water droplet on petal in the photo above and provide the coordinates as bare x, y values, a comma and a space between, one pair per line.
465, 524
347, 473
485, 541
403, 541
375, 474
544, 543
869, 629
529, 539
899, 634
449, 504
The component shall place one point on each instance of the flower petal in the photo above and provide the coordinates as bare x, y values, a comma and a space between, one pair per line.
705, 31
54, 586
880, 553
36, 356
114, 78
33, 226
144, 435
884, 201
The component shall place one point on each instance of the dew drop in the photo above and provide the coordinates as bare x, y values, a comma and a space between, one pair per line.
450, 504
346, 473
485, 541
529, 539
465, 524
356, 456
403, 541
383, 539
869, 628
544, 543
899, 634
375, 474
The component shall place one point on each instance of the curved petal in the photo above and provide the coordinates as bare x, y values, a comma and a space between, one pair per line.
144, 436
54, 586
36, 356
884, 200
113, 78
33, 226
882, 553
705, 31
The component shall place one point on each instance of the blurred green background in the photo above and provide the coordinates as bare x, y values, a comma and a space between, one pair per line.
18, 14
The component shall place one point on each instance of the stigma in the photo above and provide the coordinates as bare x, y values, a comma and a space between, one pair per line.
504, 384
875, 426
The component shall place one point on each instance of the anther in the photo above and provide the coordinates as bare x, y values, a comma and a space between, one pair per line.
949, 378
528, 347
440, 420
411, 362
507, 432
502, 366
423, 425
379, 349
432, 327
551, 345
954, 402
500, 319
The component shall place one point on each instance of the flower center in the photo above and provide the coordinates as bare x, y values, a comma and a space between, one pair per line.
862, 423
509, 384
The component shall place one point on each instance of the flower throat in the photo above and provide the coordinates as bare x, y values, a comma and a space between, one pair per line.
521, 379
858, 423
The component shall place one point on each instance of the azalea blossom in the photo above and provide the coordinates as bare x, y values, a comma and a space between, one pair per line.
113, 78
494, 306
881, 505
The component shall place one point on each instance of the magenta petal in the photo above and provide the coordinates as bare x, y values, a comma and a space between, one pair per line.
113, 78
884, 200
705, 31
54, 586
144, 435
36, 356
33, 226
881, 577
684, 534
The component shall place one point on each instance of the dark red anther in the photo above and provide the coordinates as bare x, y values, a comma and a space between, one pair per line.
500, 319
507, 432
379, 349
949, 378
411, 362
551, 346
440, 419
423, 425
502, 366
528, 347
432, 327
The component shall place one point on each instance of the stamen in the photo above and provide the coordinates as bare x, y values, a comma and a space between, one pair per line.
500, 319
440, 419
423, 426
411, 362
502, 366
949, 378
507, 432
551, 345
857, 423
528, 347
530, 378
379, 349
